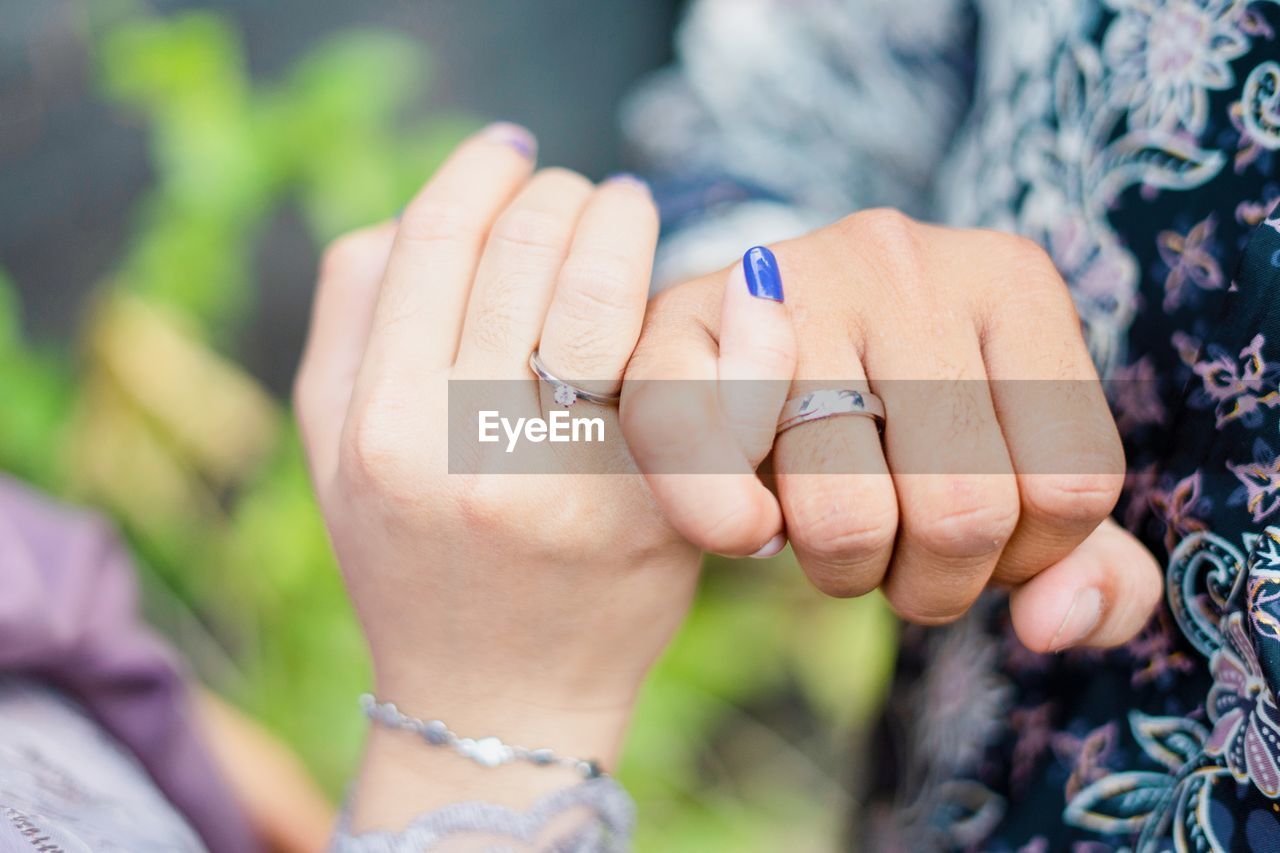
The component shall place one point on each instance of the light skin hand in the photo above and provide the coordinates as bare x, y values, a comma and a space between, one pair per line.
531, 608
523, 607
879, 302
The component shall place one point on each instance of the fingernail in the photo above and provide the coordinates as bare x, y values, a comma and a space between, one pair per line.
1082, 617
518, 137
764, 281
628, 179
772, 548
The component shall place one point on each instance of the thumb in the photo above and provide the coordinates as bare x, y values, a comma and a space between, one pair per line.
1101, 594
757, 359
757, 353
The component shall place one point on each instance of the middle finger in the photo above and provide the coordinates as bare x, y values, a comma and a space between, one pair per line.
957, 495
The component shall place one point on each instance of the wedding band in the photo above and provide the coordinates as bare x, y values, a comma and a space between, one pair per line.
831, 403
565, 394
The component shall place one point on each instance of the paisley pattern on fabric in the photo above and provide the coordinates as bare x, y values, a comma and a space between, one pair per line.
1136, 141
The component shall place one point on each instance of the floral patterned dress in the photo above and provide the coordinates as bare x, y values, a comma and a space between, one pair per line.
1136, 140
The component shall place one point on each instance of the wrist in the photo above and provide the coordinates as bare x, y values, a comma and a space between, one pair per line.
590, 732
403, 775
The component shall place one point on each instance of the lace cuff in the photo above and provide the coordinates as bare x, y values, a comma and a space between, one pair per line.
595, 816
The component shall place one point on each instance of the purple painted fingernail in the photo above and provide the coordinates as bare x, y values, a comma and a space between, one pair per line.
517, 136
629, 179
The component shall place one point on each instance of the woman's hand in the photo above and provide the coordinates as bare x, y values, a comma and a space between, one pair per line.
999, 459
527, 607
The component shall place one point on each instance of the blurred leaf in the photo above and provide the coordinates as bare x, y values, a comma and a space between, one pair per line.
157, 63
219, 419
366, 78
183, 262
842, 653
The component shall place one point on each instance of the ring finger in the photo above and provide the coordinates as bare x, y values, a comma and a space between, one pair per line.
517, 275
834, 484
598, 306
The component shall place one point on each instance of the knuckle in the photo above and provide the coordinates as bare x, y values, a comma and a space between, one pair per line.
665, 320
349, 255
475, 506
966, 519
1071, 498
889, 243
526, 231
566, 179
839, 581
682, 309
925, 612
497, 311
883, 227
431, 221
488, 504
495, 333
597, 282
820, 527
1027, 261
1027, 253
673, 319
586, 353
371, 456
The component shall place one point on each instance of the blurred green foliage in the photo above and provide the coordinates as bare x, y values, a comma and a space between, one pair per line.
740, 739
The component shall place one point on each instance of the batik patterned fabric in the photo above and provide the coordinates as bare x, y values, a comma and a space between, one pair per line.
1136, 141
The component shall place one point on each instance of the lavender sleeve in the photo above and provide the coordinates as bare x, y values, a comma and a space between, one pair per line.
69, 618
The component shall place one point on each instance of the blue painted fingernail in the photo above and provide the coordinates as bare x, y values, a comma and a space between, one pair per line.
518, 137
764, 281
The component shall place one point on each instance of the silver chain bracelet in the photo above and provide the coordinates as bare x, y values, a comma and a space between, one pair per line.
485, 751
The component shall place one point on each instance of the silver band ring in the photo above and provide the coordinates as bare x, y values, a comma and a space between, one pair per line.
831, 403
565, 394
